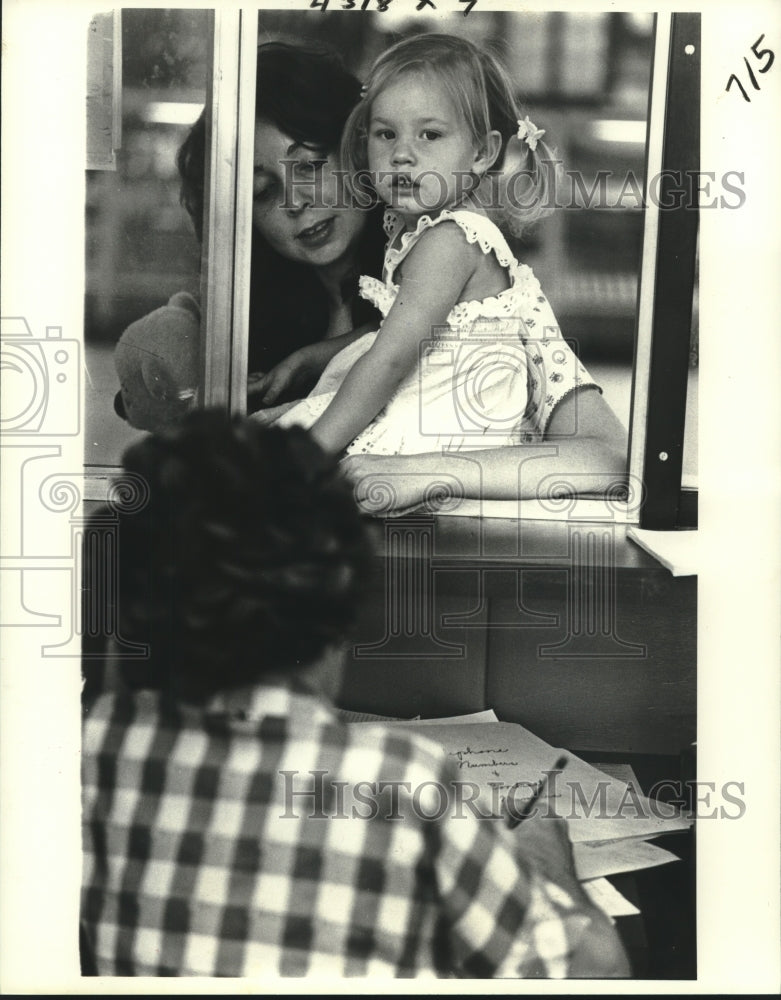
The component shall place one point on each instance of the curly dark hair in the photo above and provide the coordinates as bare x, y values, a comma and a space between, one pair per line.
308, 94
248, 557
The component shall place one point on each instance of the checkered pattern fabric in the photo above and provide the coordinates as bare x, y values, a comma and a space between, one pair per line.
283, 842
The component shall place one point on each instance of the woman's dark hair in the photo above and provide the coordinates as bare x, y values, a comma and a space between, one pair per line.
248, 555
308, 94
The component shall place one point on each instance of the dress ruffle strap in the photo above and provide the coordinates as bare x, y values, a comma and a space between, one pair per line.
478, 230
377, 292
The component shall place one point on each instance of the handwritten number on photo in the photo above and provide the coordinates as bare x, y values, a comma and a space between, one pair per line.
763, 52
382, 5
760, 54
379, 5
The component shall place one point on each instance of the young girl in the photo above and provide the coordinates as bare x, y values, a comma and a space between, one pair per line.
469, 354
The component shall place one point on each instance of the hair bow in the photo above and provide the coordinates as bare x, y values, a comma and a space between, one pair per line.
528, 130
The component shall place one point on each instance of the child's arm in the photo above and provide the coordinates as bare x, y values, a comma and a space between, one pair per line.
436, 271
585, 445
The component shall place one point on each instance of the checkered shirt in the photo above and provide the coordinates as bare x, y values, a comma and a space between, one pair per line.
286, 843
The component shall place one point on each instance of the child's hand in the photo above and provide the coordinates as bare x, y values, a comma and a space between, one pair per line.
384, 483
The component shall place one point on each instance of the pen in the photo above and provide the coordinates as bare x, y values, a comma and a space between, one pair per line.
525, 812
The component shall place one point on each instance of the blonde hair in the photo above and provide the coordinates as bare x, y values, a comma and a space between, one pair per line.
480, 88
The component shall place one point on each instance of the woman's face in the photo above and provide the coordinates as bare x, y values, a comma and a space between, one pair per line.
298, 202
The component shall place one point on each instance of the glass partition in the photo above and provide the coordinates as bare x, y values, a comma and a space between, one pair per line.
141, 245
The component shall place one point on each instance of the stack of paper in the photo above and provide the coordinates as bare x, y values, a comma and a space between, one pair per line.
609, 820
598, 860
508, 763
347, 715
605, 895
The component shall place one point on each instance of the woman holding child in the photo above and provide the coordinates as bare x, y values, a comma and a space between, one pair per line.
453, 362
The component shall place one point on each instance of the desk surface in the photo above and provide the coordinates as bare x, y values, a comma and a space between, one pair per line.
499, 541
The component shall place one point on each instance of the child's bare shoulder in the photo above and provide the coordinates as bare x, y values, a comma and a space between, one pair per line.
480, 271
445, 244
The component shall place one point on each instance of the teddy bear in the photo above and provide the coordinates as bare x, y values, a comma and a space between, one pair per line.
157, 361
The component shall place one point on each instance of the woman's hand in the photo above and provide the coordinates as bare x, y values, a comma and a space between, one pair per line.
384, 483
297, 374
294, 376
598, 953
272, 413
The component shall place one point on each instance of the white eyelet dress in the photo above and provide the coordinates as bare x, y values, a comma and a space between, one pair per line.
490, 376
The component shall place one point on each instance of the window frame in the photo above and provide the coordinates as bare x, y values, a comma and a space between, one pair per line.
227, 221
667, 282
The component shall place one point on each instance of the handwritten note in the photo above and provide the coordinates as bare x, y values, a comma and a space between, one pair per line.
505, 759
